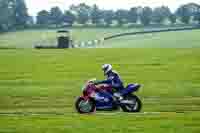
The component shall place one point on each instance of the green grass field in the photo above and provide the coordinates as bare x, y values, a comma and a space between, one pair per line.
38, 87
30, 38
181, 39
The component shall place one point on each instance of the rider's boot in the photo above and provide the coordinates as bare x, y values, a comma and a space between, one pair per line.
118, 96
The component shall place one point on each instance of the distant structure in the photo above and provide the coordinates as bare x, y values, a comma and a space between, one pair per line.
63, 41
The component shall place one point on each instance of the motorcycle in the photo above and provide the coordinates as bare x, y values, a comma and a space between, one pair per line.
101, 98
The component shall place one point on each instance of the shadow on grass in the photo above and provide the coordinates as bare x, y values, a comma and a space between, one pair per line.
4, 48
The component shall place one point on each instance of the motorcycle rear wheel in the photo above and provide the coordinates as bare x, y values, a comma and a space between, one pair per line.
85, 106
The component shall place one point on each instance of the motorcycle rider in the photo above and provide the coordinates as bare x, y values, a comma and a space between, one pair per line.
113, 79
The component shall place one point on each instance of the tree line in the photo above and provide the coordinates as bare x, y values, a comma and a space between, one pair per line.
14, 15
93, 15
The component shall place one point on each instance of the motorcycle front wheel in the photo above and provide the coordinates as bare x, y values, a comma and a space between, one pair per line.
136, 105
85, 106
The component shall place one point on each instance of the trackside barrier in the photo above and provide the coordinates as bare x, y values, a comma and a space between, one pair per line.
95, 43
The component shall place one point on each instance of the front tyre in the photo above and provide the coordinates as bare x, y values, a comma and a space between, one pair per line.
85, 106
136, 105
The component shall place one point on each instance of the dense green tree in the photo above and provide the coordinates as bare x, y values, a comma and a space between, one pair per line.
96, 15
43, 17
194, 10
13, 13
82, 12
20, 13
69, 18
146, 15
160, 14
133, 15
108, 16
121, 16
172, 18
6, 14
197, 16
184, 14
56, 16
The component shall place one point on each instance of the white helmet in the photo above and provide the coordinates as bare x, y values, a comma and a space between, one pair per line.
107, 68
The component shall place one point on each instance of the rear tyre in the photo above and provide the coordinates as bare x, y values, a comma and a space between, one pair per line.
135, 107
85, 106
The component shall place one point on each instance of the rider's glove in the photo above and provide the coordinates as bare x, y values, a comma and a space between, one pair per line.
95, 82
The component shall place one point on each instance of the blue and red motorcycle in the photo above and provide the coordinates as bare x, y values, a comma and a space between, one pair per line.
101, 98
